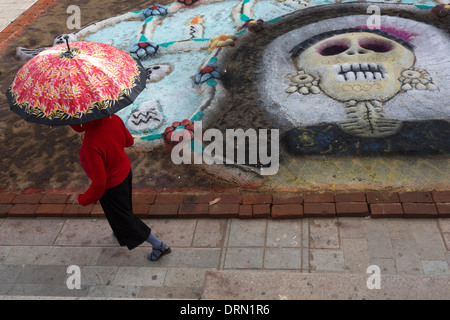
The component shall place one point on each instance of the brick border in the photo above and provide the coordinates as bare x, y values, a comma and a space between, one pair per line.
147, 204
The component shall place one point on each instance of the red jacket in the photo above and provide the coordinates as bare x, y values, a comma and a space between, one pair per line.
102, 155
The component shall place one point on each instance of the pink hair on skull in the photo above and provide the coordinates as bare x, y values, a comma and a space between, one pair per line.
400, 34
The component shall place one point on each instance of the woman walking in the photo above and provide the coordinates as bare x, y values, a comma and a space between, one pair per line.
105, 162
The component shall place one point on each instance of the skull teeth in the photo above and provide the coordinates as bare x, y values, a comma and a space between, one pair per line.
360, 72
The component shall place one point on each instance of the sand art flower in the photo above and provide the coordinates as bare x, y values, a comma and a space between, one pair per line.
155, 10
208, 72
187, 2
441, 11
254, 25
144, 50
415, 78
302, 82
224, 40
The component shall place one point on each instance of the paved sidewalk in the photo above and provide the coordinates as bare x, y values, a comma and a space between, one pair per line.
10, 10
36, 252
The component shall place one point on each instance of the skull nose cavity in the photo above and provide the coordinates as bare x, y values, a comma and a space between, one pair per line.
360, 72
352, 51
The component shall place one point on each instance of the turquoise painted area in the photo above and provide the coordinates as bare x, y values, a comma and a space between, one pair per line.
268, 10
211, 82
274, 19
151, 137
173, 27
421, 4
423, 7
319, 2
122, 35
177, 95
244, 17
198, 116
166, 44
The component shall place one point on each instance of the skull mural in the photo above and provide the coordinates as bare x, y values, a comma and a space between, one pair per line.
360, 68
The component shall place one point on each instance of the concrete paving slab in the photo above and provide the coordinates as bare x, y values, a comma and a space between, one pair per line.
327, 260
9, 273
209, 233
244, 258
185, 277
121, 256
241, 285
324, 234
305, 233
282, 258
31, 291
355, 255
352, 228
30, 255
305, 260
97, 275
444, 225
4, 252
446, 237
139, 276
166, 292
80, 256
379, 239
387, 265
284, 233
247, 233
25, 231
52, 255
430, 244
431, 267
110, 291
189, 258
86, 232
36, 274
176, 233
407, 258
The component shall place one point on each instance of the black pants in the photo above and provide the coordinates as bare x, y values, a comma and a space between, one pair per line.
117, 206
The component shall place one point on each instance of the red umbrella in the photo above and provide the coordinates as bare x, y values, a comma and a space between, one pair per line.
76, 84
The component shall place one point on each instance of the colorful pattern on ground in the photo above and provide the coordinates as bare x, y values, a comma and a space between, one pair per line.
311, 77
231, 77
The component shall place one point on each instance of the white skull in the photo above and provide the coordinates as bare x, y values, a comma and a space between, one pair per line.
357, 65
157, 72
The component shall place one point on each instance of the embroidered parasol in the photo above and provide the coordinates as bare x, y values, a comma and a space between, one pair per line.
76, 84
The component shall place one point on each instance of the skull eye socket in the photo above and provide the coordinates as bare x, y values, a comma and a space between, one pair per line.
377, 45
334, 47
